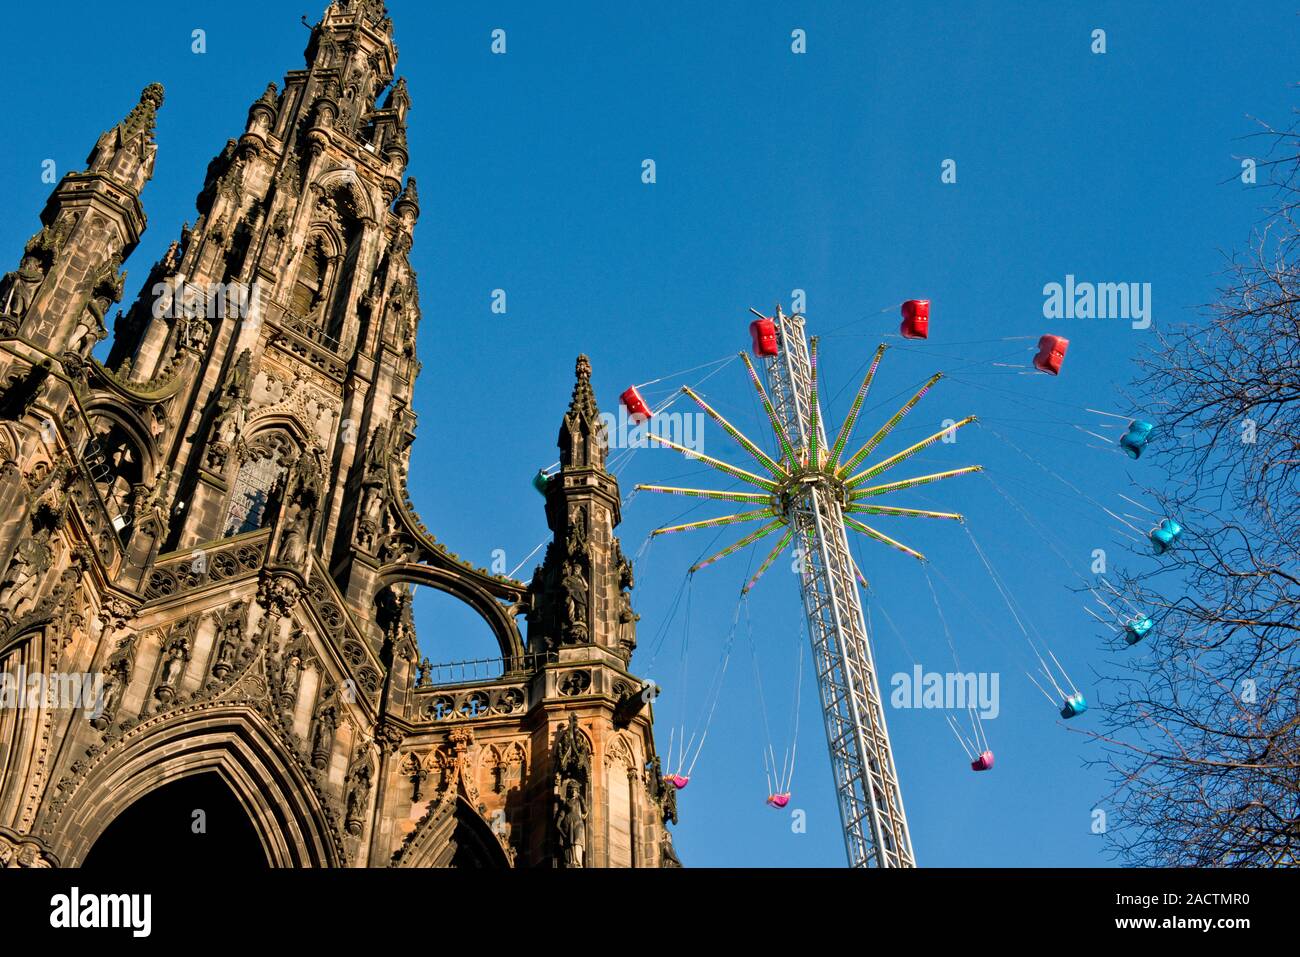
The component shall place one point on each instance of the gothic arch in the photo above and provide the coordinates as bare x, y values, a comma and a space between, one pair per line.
132, 425
10, 442
497, 615
332, 244
257, 426
270, 783
314, 275
22, 650
621, 749
123, 429
262, 459
345, 180
452, 834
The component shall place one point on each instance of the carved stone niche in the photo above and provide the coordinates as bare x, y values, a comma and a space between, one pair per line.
504, 767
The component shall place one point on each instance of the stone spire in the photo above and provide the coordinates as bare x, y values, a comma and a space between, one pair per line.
579, 587
126, 152
69, 276
582, 436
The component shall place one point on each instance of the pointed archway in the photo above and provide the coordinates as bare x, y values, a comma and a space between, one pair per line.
194, 822
233, 742
452, 834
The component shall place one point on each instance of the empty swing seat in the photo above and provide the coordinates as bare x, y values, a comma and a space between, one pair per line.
1136, 630
763, 334
983, 763
1051, 353
637, 410
1165, 535
540, 480
1135, 439
916, 319
1074, 706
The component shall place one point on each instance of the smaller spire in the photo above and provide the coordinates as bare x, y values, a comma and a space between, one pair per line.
409, 198
126, 151
398, 96
584, 400
582, 436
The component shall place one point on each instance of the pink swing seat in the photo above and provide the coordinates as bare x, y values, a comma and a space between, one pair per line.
983, 763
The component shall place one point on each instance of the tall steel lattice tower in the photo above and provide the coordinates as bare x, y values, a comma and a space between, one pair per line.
866, 783
817, 499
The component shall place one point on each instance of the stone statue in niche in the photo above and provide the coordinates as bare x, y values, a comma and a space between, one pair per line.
626, 618
322, 741
22, 579
358, 798
92, 325
294, 547
372, 482
229, 638
576, 543
300, 498
173, 666
117, 675
290, 674
667, 855
18, 288
231, 408
574, 585
572, 792
197, 333
571, 823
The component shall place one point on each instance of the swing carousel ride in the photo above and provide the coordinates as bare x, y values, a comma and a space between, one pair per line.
809, 494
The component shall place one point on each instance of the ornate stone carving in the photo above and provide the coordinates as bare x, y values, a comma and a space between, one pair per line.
231, 409
229, 642
117, 675
299, 498
412, 768
322, 740
175, 657
23, 576
278, 593
572, 794
373, 482
358, 801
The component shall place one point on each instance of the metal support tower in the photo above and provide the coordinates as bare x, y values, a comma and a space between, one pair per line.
866, 783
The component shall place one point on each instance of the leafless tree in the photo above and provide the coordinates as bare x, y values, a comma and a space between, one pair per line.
1203, 726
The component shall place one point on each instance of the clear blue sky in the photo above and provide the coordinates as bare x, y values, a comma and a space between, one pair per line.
775, 171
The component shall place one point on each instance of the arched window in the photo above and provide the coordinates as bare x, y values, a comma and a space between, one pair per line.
258, 473
115, 465
309, 287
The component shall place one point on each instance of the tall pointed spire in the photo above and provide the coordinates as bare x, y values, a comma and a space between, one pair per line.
582, 436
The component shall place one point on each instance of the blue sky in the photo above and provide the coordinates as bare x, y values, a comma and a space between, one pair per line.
775, 172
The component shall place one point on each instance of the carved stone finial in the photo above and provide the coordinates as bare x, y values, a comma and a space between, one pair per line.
409, 199
140, 121
584, 400
153, 95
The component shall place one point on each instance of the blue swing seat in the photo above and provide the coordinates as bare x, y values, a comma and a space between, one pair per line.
1074, 706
